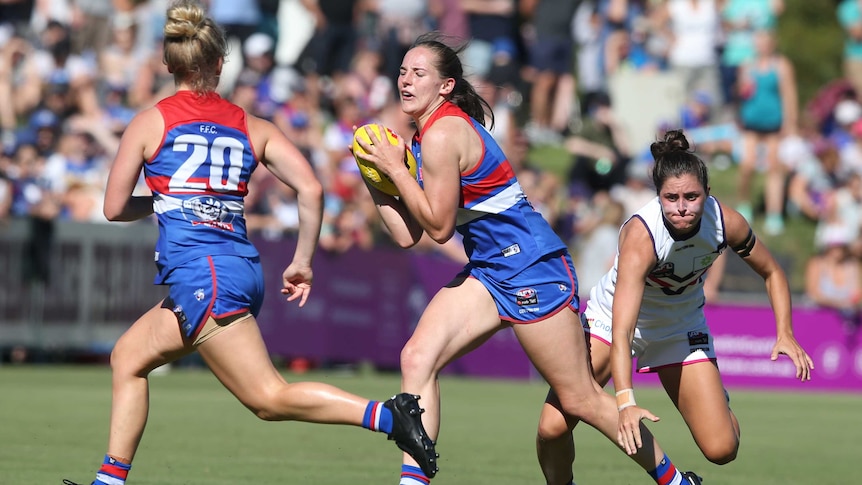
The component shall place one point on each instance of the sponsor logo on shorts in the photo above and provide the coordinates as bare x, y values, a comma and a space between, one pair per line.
181, 315
698, 338
200, 294
527, 296
563, 288
511, 250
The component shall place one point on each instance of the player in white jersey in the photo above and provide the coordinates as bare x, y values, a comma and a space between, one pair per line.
650, 305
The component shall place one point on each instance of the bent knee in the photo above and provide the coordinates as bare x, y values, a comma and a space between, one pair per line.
264, 410
416, 363
721, 453
552, 426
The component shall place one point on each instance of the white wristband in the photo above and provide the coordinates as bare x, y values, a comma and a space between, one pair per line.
625, 399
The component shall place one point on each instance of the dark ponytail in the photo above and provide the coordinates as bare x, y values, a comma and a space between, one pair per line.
448, 64
674, 159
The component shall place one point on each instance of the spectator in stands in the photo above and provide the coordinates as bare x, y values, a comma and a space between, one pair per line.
398, 22
54, 70
633, 41
833, 278
488, 21
331, 49
92, 32
693, 28
849, 14
768, 110
740, 20
258, 51
816, 175
846, 113
203, 238
601, 151
551, 59
367, 83
594, 248
121, 62
450, 18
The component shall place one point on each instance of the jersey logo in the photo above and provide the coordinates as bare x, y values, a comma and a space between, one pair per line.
664, 269
704, 261
208, 211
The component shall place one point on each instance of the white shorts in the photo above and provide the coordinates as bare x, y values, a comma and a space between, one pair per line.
657, 347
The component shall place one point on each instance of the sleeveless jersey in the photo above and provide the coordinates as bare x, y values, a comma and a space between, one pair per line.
199, 177
673, 290
501, 231
763, 109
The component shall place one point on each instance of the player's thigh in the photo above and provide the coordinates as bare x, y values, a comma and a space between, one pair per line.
460, 317
697, 392
557, 348
239, 359
153, 340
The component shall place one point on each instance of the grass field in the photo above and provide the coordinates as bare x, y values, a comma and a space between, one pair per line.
53, 425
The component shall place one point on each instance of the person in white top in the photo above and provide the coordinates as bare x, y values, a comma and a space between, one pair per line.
650, 305
693, 28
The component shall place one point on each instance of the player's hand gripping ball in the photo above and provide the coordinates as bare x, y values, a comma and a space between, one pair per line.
368, 169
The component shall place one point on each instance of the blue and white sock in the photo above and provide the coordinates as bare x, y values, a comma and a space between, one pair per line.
411, 475
377, 417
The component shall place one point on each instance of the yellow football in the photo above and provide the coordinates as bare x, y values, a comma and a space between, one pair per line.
368, 170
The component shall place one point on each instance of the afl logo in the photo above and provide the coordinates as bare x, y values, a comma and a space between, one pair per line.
527, 296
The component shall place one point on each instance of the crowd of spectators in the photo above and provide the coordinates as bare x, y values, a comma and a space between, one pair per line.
73, 73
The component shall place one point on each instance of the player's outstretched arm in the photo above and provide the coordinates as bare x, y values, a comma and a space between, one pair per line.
743, 241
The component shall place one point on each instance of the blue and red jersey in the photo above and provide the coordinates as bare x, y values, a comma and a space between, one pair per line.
199, 178
502, 233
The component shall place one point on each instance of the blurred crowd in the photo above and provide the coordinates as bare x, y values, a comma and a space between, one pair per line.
73, 73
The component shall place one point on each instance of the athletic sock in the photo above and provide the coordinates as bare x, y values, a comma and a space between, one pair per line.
666, 473
377, 417
411, 475
112, 472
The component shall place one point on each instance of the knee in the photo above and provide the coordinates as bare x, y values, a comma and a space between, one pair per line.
552, 426
122, 362
581, 407
721, 453
261, 406
415, 362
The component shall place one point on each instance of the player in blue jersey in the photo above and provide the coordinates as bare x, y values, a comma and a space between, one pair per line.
650, 305
519, 273
198, 152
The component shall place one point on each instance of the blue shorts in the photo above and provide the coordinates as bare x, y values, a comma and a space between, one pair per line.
215, 286
552, 54
537, 292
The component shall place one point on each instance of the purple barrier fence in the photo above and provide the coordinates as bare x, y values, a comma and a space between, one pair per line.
364, 305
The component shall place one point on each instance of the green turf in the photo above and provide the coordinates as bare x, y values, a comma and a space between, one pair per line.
53, 424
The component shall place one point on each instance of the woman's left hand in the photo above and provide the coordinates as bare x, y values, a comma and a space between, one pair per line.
791, 348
